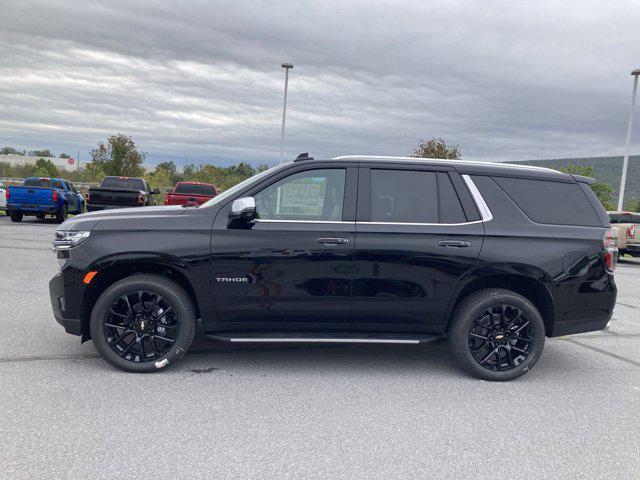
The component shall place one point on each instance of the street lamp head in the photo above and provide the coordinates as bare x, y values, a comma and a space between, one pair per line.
287, 65
636, 72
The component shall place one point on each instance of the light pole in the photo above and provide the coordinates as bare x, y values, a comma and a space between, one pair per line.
625, 162
286, 67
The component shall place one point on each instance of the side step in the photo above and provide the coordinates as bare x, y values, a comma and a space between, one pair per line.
398, 338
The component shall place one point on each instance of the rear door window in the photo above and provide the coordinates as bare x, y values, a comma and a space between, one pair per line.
555, 203
414, 196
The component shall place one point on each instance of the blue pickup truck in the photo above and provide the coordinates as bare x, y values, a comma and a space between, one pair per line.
44, 196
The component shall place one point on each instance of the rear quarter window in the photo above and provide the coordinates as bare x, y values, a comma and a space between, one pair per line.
550, 202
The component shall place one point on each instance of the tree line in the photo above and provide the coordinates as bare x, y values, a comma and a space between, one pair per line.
119, 155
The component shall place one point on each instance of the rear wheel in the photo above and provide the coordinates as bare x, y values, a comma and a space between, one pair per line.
497, 334
16, 216
61, 215
143, 323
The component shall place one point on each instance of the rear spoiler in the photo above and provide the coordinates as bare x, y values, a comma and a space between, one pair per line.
583, 179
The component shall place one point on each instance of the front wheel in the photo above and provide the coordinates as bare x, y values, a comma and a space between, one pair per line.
497, 334
143, 323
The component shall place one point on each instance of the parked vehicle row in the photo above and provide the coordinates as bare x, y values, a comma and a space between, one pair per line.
627, 226
347, 250
43, 196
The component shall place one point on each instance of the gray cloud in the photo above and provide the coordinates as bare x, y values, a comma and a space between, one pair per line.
504, 80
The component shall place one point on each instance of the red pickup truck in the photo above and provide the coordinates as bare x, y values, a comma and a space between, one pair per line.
190, 193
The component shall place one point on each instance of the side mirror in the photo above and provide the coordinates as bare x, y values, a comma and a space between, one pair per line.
155, 191
243, 209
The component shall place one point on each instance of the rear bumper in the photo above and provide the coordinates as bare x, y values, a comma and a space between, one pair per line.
584, 306
56, 293
28, 209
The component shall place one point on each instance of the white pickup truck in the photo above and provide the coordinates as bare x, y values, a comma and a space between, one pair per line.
627, 225
3, 197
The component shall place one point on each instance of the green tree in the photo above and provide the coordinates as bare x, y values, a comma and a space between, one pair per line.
64, 155
436, 148
118, 156
42, 153
45, 168
10, 151
603, 191
170, 170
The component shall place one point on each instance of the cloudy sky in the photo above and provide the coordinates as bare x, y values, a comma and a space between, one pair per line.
504, 80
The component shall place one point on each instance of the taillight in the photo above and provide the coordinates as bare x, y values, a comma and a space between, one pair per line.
87, 197
54, 196
7, 194
610, 249
166, 199
630, 231
140, 199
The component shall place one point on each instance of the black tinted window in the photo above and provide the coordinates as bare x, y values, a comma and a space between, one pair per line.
450, 207
550, 202
121, 182
191, 189
37, 182
624, 217
406, 196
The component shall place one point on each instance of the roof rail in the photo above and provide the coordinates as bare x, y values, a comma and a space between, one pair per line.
442, 160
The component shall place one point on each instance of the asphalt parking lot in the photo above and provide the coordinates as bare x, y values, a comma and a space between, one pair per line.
305, 411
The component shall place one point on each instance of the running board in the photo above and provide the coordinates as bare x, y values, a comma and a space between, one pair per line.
234, 337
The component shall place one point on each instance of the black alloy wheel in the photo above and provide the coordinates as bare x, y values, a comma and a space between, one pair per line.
496, 334
501, 338
141, 326
143, 323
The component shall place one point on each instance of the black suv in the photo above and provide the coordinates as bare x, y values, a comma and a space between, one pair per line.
491, 257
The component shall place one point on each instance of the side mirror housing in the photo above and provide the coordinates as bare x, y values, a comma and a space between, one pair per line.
243, 209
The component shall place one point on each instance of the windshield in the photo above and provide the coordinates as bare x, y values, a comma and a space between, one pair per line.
196, 189
236, 188
122, 182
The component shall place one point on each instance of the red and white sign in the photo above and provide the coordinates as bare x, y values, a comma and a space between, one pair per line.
70, 161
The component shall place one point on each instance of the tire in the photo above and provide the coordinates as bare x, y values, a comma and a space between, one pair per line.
471, 340
131, 360
16, 216
61, 215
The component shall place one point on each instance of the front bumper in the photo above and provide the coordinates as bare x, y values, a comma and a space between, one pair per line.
56, 292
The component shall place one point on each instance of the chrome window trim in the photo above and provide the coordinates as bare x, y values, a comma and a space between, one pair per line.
421, 224
485, 212
268, 220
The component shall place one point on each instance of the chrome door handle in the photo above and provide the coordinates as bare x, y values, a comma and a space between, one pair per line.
453, 243
332, 241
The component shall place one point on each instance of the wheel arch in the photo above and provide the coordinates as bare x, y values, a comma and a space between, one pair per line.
530, 288
109, 274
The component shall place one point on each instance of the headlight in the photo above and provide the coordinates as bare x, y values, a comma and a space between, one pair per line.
64, 240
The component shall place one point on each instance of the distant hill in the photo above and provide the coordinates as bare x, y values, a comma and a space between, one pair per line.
608, 170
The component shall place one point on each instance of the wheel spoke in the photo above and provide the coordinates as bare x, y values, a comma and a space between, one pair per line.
489, 355
121, 315
521, 327
519, 350
117, 340
170, 340
163, 314
478, 336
